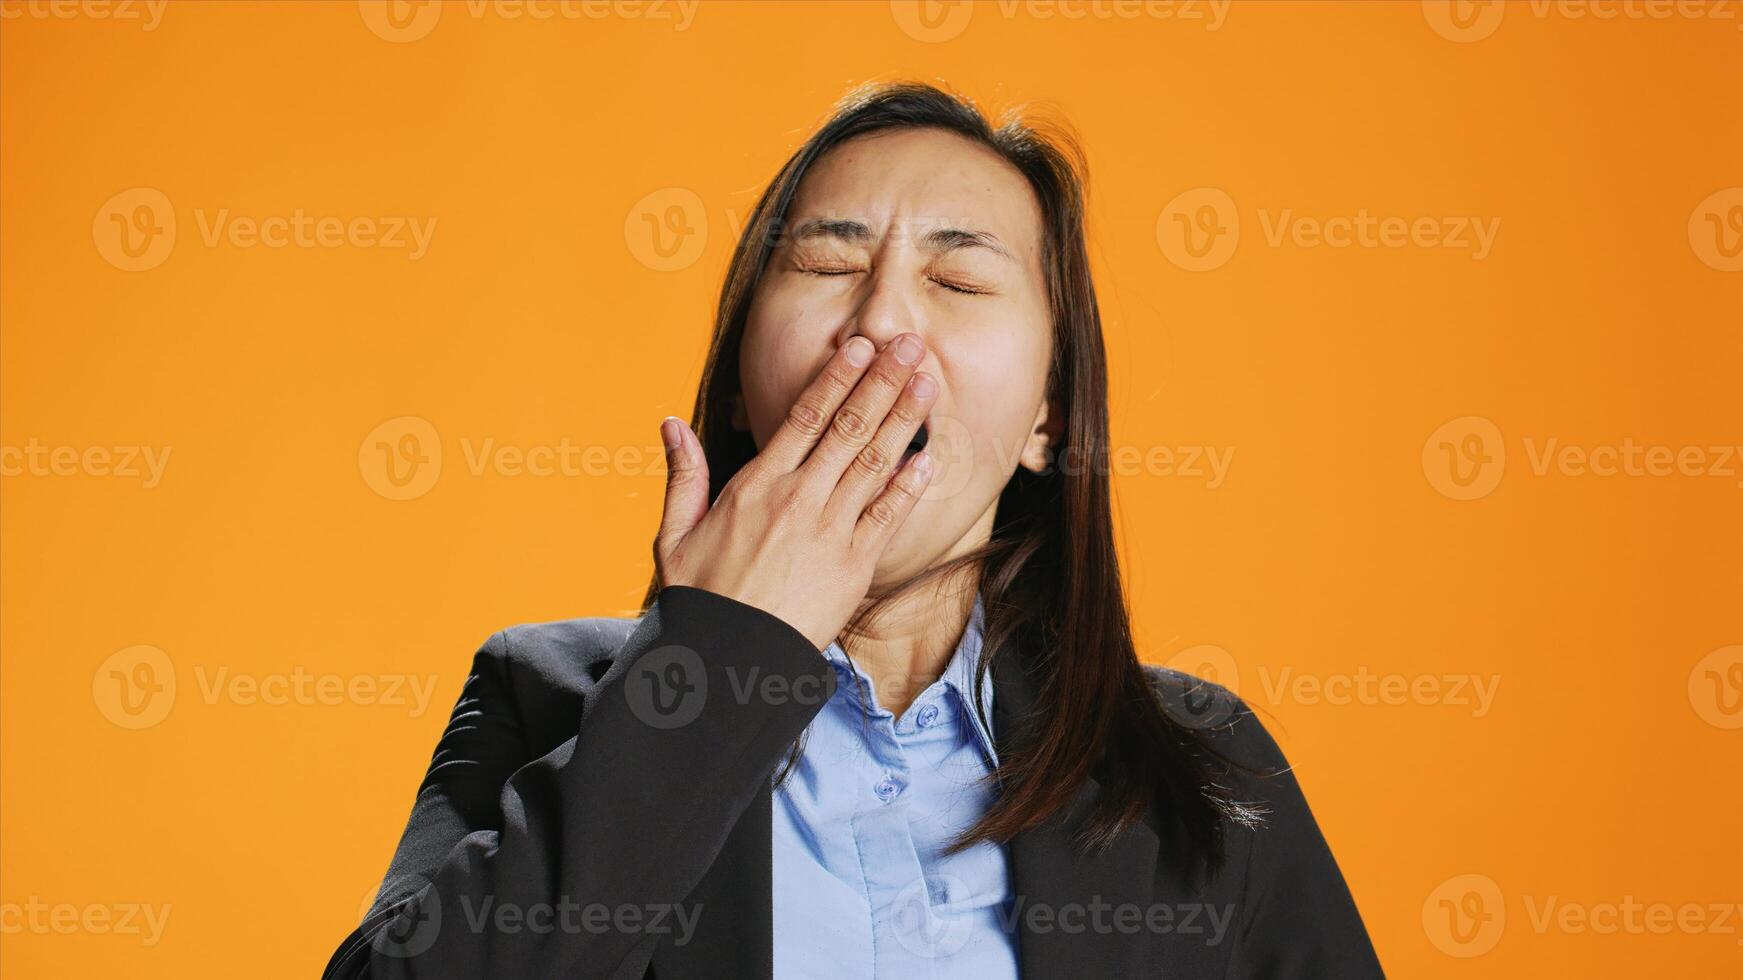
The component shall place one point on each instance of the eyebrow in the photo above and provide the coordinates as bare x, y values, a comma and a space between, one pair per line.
857, 233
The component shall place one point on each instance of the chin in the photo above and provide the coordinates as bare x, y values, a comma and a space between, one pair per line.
916, 547
892, 568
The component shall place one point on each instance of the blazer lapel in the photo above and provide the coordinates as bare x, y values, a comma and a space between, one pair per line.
1068, 902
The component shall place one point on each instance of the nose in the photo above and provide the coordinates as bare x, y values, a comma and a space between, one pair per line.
885, 312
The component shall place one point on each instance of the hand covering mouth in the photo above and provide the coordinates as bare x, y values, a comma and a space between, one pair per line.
921, 436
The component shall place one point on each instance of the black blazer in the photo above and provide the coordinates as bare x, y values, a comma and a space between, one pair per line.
569, 817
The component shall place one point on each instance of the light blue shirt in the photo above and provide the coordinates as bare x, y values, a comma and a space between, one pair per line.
862, 888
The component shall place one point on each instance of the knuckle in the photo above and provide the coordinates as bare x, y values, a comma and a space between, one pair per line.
907, 414
807, 417
789, 501
732, 498
893, 377
852, 424
837, 378
749, 477
873, 461
888, 371
882, 513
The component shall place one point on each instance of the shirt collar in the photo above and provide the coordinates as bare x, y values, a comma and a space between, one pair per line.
958, 676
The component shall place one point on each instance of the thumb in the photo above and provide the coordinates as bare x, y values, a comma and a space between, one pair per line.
686, 482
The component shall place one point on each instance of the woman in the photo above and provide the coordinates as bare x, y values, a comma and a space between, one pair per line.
882, 715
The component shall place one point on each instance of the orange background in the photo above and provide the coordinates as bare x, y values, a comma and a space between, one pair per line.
1607, 767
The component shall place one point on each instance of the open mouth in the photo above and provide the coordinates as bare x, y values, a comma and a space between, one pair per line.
918, 443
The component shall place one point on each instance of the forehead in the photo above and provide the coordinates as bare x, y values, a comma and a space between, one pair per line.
922, 176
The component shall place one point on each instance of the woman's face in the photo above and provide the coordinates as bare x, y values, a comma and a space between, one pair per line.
921, 231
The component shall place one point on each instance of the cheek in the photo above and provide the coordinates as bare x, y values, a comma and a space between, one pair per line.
779, 356
995, 388
996, 374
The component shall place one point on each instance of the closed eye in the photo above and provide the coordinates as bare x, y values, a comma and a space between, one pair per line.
824, 266
959, 287
955, 287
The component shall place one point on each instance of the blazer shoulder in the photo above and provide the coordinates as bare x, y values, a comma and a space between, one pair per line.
557, 652
1225, 721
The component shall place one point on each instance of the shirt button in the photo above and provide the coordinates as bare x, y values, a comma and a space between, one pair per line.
887, 790
928, 716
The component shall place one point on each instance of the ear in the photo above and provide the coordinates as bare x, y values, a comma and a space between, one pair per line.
1045, 437
740, 420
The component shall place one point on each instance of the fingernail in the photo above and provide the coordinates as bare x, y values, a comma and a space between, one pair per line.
908, 349
669, 430
859, 352
923, 385
922, 464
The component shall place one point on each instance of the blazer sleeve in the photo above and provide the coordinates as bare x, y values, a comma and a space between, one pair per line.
627, 814
1298, 920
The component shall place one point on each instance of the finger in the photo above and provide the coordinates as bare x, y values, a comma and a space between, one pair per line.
858, 420
811, 413
686, 484
891, 508
871, 470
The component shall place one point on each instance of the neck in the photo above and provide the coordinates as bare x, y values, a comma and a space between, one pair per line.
910, 638
906, 640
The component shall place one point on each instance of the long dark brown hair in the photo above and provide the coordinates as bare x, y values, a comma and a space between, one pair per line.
1049, 577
